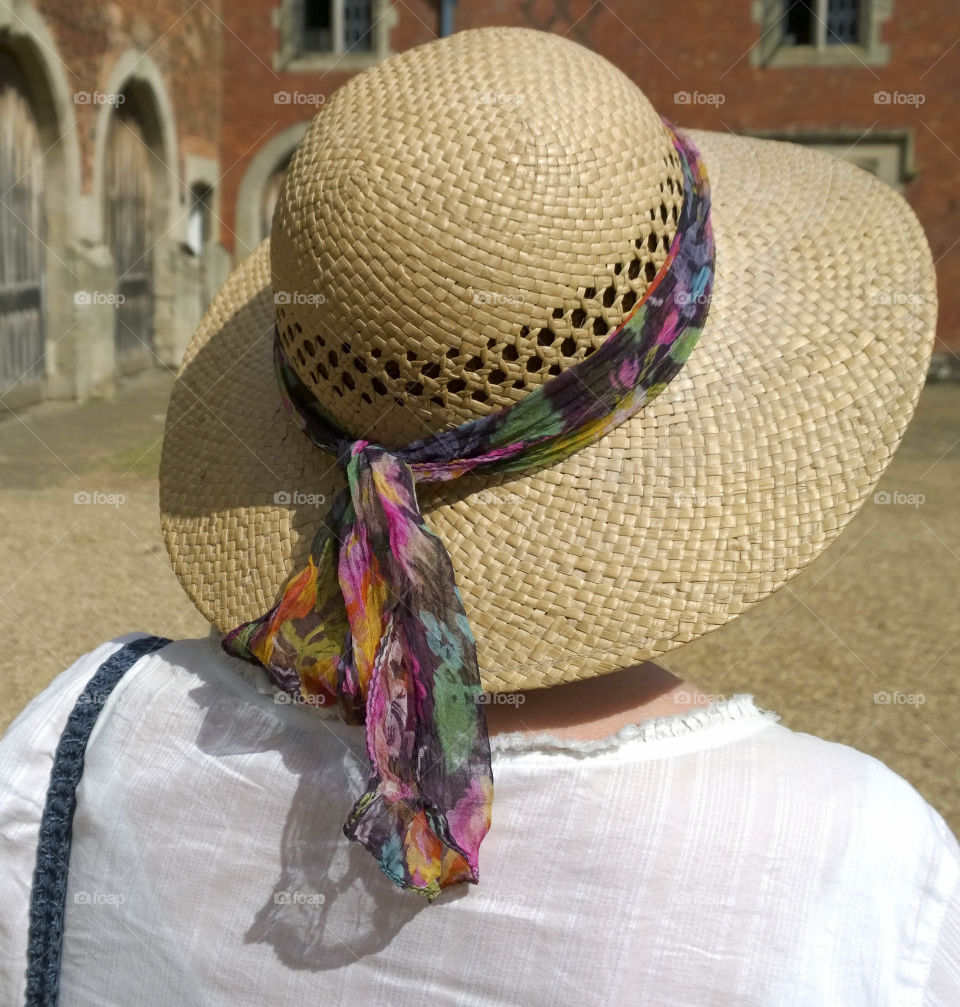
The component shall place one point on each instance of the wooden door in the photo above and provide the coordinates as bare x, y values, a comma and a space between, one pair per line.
22, 237
129, 207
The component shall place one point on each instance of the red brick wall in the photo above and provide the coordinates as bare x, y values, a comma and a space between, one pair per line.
710, 56
184, 41
250, 114
690, 45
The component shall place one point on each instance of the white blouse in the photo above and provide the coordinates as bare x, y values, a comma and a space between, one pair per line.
709, 857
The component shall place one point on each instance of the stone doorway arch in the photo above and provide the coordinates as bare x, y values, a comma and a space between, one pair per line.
39, 193
137, 189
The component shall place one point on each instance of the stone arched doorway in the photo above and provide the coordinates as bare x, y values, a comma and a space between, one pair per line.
23, 235
260, 186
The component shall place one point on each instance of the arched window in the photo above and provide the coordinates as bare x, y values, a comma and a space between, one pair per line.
22, 233
129, 206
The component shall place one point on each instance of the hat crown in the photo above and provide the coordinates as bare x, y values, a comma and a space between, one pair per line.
463, 221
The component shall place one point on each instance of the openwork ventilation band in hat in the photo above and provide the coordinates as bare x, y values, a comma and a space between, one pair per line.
375, 620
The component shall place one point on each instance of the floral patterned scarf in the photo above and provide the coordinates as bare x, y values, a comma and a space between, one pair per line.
375, 622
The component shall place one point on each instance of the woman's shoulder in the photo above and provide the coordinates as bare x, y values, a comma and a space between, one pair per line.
859, 801
46, 713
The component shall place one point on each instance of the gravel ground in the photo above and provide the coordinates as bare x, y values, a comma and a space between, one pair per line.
874, 618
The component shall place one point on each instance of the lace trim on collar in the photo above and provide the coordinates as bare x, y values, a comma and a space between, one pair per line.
737, 707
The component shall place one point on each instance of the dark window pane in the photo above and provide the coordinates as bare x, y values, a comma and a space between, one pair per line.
798, 23
358, 24
318, 25
843, 22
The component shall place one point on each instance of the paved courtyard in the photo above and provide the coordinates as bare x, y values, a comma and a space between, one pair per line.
862, 648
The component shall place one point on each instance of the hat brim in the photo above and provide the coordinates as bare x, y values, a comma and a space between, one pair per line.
717, 493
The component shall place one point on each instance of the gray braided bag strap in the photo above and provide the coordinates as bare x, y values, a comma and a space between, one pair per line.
49, 891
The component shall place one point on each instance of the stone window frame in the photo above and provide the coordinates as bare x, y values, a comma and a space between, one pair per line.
291, 57
887, 154
768, 52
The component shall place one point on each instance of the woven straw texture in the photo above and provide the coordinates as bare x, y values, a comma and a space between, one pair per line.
427, 266
520, 179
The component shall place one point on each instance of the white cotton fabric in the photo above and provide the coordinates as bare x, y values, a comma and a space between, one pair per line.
710, 857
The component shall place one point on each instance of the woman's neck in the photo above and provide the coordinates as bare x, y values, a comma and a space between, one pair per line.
594, 709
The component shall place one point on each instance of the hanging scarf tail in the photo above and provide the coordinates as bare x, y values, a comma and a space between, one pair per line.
400, 819
399, 636
428, 803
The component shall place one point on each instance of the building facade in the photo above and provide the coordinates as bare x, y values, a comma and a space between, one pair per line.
143, 144
109, 177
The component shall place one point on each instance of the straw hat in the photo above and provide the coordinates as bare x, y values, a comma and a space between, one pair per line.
465, 220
